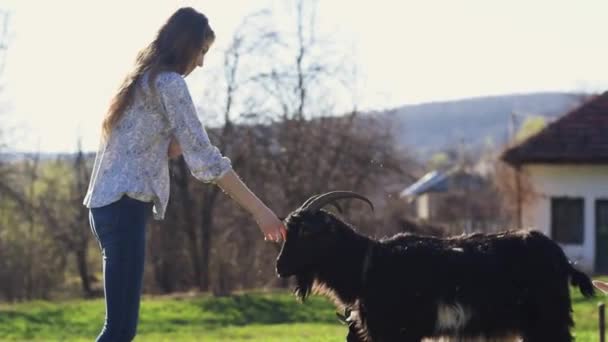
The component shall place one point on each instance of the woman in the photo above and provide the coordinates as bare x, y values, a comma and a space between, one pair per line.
150, 119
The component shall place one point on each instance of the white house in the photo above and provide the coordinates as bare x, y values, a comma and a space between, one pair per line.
438, 189
567, 166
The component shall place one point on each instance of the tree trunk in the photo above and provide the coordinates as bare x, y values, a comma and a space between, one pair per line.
164, 279
206, 236
83, 271
189, 221
206, 225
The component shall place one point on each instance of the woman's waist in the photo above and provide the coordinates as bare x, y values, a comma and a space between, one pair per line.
150, 178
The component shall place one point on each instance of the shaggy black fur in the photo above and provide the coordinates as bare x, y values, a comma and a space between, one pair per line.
408, 287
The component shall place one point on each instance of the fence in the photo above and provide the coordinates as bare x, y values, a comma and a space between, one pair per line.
602, 322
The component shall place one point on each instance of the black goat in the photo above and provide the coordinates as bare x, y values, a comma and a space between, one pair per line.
409, 287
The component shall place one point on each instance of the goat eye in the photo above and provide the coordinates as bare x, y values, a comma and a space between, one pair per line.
308, 231
305, 232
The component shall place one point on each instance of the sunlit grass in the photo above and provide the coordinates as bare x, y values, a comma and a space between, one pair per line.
267, 317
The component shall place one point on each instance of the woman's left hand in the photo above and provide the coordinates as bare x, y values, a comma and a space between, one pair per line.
272, 228
174, 149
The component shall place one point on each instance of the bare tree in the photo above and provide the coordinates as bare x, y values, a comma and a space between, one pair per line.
280, 127
282, 137
4, 35
79, 220
307, 148
32, 176
63, 216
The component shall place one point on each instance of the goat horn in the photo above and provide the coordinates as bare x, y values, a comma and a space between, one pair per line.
322, 200
312, 198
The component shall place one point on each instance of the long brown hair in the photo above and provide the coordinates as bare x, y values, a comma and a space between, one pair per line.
175, 48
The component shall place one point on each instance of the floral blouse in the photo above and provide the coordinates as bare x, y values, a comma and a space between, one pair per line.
134, 160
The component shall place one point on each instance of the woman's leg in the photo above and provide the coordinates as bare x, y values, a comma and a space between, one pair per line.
120, 230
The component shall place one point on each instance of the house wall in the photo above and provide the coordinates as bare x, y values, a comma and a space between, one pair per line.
587, 181
423, 206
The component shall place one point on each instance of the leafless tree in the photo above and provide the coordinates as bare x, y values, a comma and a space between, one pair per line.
276, 104
63, 216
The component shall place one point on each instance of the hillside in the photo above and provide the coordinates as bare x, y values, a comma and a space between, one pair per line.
428, 127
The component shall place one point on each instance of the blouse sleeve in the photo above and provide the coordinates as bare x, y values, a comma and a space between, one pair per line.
204, 160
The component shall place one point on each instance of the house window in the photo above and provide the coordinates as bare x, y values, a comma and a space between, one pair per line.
567, 220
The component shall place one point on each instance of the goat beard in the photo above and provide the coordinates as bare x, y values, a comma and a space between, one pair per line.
304, 284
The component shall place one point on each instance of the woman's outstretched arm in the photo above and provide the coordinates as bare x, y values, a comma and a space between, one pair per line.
204, 160
268, 222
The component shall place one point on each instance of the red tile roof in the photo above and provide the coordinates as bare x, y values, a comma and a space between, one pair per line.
581, 136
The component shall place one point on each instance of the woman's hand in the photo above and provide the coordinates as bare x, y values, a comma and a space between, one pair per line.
174, 149
272, 228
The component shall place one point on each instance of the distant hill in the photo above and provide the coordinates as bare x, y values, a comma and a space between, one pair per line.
429, 127
425, 128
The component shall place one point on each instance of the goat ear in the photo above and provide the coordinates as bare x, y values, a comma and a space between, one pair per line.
601, 285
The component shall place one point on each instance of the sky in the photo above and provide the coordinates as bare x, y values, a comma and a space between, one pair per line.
66, 58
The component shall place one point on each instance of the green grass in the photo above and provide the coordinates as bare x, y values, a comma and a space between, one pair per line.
267, 317
245, 317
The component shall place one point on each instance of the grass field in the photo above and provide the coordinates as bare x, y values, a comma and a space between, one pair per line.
260, 317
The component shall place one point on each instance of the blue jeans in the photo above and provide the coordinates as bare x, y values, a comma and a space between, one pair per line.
120, 229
